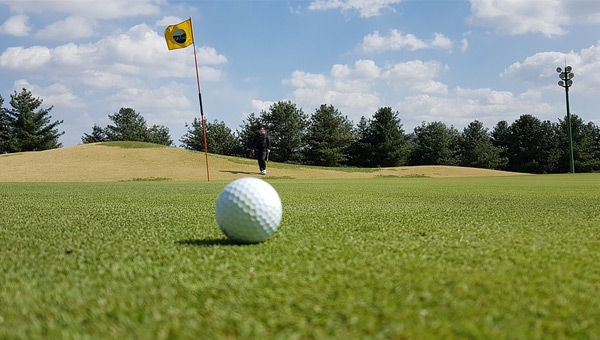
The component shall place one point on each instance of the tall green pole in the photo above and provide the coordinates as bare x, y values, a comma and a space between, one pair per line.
566, 82
571, 158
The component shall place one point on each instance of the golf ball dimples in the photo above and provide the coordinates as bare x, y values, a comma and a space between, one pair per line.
248, 210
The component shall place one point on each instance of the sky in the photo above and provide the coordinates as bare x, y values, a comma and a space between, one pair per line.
453, 61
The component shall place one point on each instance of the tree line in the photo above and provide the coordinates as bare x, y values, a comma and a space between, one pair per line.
328, 138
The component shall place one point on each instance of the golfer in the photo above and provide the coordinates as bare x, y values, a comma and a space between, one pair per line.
262, 144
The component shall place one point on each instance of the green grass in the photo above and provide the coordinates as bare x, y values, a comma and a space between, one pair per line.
386, 258
252, 161
132, 145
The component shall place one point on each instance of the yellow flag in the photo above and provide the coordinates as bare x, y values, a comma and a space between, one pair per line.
180, 35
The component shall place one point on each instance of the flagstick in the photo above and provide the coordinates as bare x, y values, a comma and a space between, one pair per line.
200, 100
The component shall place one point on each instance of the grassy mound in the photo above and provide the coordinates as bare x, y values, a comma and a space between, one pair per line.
135, 161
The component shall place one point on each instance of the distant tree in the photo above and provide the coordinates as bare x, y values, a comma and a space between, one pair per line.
129, 125
28, 127
249, 129
596, 134
328, 137
362, 127
550, 154
477, 149
219, 138
159, 134
388, 142
435, 144
286, 127
98, 135
193, 139
531, 145
5, 134
584, 145
500, 139
359, 150
381, 141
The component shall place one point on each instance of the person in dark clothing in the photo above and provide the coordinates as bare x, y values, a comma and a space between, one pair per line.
262, 144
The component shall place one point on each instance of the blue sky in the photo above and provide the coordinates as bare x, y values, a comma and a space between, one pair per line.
452, 61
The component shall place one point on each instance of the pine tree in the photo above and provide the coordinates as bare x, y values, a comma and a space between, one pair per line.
328, 138
29, 128
5, 135
435, 144
246, 135
129, 125
219, 138
159, 134
98, 135
477, 149
583, 145
531, 145
383, 142
286, 127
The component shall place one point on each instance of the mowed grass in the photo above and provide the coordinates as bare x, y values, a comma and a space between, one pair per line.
136, 161
384, 258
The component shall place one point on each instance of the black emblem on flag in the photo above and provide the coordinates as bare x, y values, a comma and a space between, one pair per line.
179, 36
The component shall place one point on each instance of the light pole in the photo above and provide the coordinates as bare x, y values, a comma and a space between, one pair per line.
566, 81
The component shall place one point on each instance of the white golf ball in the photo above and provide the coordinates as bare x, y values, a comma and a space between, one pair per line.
248, 210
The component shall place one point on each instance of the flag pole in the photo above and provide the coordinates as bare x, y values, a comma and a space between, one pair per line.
200, 101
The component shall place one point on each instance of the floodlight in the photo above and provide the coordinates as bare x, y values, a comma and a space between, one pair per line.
566, 82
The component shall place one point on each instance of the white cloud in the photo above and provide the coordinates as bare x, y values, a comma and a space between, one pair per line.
416, 76
355, 80
72, 55
168, 20
106, 9
57, 94
16, 25
486, 96
138, 52
540, 69
353, 104
421, 96
366, 8
69, 29
441, 42
431, 87
25, 59
209, 56
465, 105
548, 17
97, 79
364, 70
303, 79
342, 78
131, 68
464, 45
206, 73
396, 40
171, 97
357, 89
260, 105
